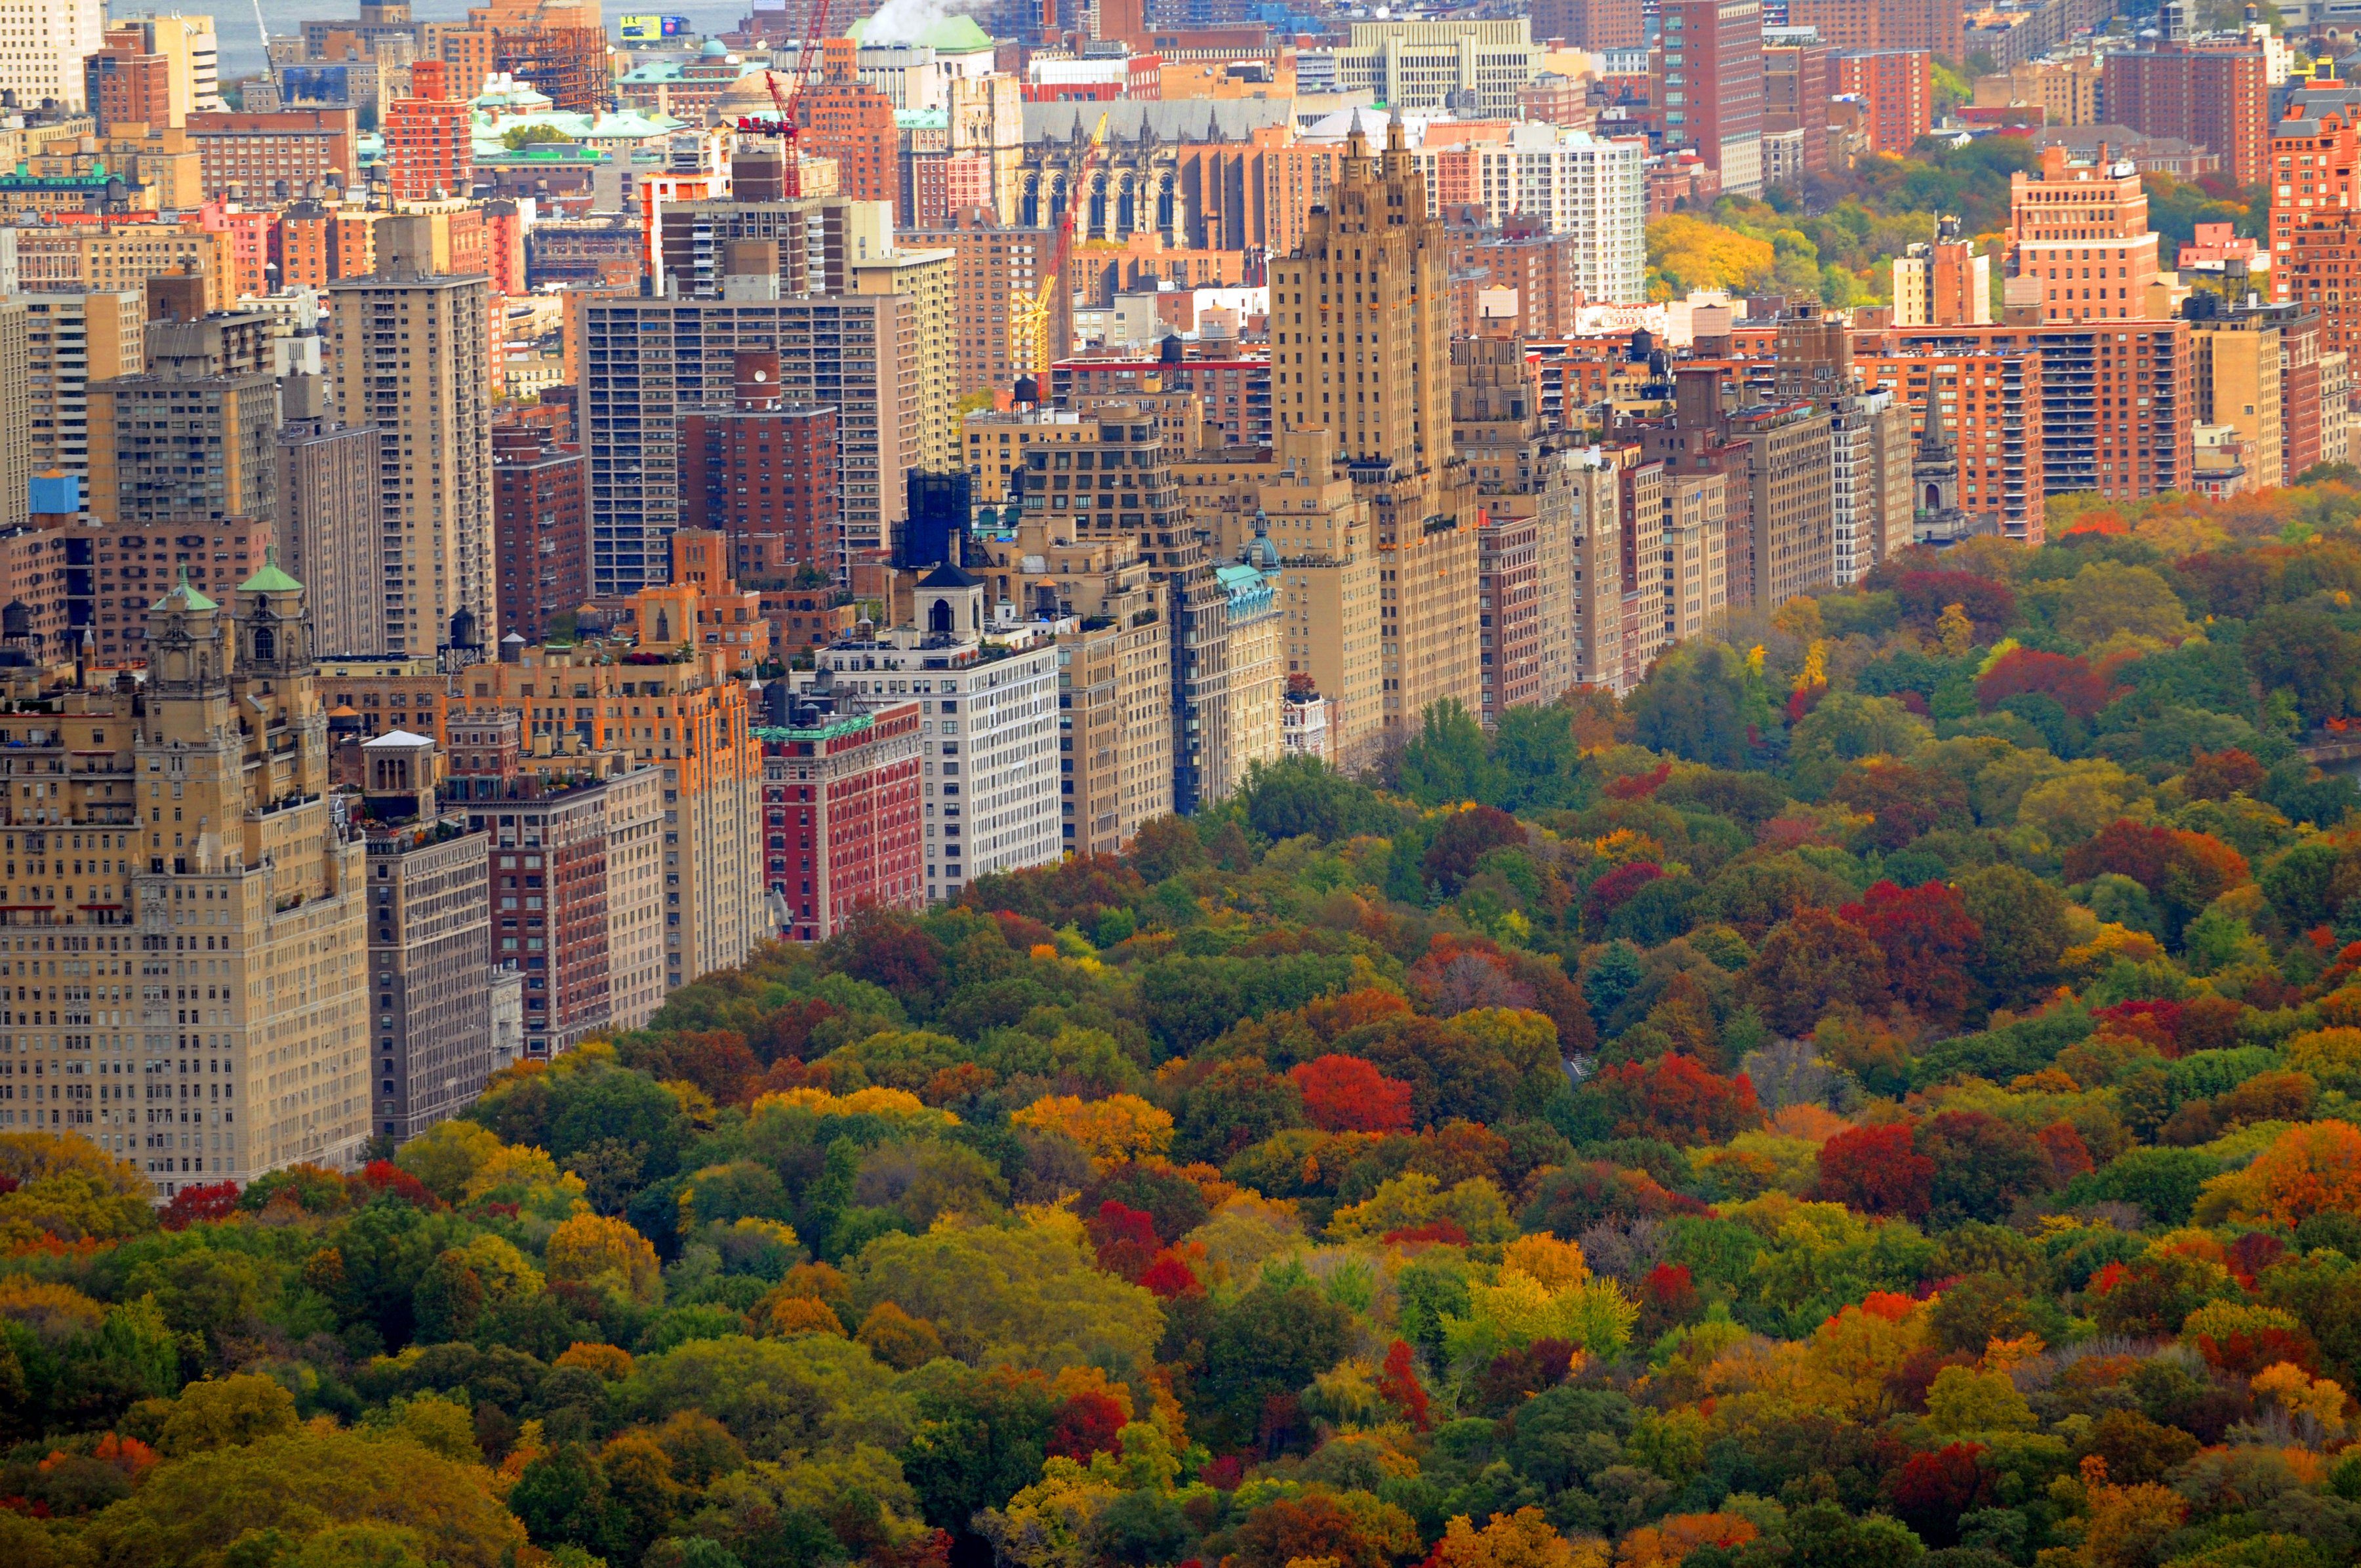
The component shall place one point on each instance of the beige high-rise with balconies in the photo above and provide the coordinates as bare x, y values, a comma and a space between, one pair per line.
411, 350
71, 340
928, 279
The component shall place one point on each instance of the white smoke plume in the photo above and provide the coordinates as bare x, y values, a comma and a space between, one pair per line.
908, 21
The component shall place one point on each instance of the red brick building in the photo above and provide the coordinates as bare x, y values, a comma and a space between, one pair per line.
1507, 612
1798, 82
763, 473
2212, 95
1896, 87
841, 796
428, 147
539, 528
847, 120
2117, 398
1706, 73
1590, 24
1989, 404
127, 86
1938, 27
274, 156
2315, 247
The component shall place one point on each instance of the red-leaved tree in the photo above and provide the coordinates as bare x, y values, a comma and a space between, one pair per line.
1928, 939
2028, 672
1678, 1099
1347, 1094
217, 1201
1877, 1171
1398, 1385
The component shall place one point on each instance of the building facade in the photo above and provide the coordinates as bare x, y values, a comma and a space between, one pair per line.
413, 352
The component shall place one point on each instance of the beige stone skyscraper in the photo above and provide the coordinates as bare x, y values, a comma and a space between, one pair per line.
187, 906
412, 358
1361, 344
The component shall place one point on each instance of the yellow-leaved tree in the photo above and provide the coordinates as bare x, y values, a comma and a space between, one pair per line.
607, 1254
1118, 1128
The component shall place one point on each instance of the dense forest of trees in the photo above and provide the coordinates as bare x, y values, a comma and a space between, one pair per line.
1883, 1094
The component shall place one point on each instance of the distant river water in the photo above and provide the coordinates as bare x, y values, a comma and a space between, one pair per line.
241, 41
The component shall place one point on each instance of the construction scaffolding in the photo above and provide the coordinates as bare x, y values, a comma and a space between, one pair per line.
567, 63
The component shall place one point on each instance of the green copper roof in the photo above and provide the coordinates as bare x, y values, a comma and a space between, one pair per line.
272, 579
186, 592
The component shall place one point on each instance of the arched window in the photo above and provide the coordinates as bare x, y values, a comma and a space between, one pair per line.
938, 618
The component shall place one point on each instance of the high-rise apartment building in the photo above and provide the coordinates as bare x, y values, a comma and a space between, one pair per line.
429, 145
2025, 409
648, 362
683, 719
762, 472
125, 84
929, 344
1253, 680
2315, 243
1896, 89
1115, 673
331, 516
540, 544
16, 411
72, 340
2080, 244
991, 268
413, 352
1507, 614
1589, 191
1578, 537
1692, 579
842, 801
1707, 67
1798, 78
194, 438
1297, 496
46, 46
845, 118
2235, 371
1869, 481
713, 776
575, 868
2212, 93
429, 921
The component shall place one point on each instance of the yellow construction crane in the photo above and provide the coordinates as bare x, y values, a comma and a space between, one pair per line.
1031, 311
